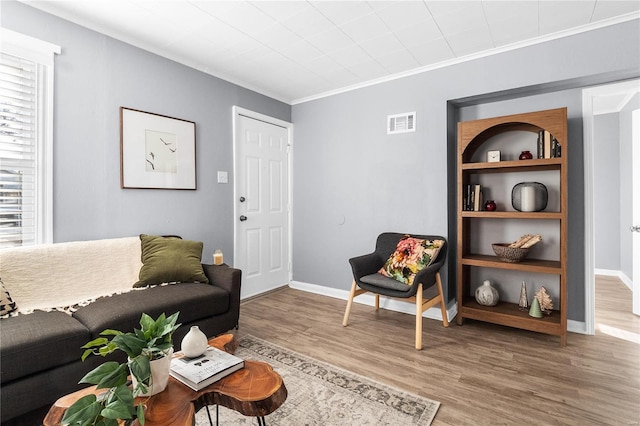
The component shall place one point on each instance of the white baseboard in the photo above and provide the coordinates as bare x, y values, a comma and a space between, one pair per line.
368, 299
613, 273
395, 305
579, 327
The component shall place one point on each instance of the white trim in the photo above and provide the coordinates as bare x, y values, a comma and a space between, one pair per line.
258, 116
45, 152
621, 104
577, 327
42, 50
588, 96
399, 306
618, 274
43, 54
485, 53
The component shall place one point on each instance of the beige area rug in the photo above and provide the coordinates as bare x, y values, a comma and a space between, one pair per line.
322, 394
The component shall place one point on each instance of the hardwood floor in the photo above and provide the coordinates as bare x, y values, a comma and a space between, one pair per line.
481, 373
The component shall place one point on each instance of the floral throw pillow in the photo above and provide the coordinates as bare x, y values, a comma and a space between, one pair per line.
411, 256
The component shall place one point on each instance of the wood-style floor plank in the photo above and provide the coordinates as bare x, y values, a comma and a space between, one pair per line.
481, 373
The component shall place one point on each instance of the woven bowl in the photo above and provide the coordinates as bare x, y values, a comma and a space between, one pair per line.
509, 254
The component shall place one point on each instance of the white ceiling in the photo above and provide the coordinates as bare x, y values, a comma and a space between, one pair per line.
300, 50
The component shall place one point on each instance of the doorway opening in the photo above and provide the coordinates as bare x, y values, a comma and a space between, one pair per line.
607, 99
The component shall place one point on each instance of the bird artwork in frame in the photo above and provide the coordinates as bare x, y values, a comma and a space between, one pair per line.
156, 151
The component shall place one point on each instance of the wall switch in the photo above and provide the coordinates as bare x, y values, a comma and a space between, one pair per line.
223, 177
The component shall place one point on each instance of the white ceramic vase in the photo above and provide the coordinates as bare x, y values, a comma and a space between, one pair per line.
194, 343
159, 375
487, 295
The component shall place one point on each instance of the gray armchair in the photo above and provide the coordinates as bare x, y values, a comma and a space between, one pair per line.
425, 292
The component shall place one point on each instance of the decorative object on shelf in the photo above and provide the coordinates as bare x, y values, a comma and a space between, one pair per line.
526, 241
524, 300
493, 156
194, 343
526, 155
535, 309
472, 198
509, 254
486, 294
517, 250
218, 257
543, 298
529, 197
490, 206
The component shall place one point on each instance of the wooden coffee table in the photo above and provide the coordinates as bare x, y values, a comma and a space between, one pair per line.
255, 391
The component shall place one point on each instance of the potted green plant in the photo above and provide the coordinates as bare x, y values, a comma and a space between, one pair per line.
152, 342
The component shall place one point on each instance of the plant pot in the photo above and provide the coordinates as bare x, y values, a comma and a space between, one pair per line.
159, 375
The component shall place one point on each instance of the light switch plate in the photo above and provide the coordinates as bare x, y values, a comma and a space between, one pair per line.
223, 177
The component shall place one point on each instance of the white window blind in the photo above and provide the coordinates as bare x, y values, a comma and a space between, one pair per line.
18, 170
26, 133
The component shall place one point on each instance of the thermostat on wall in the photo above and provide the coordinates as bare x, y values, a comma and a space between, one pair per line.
401, 123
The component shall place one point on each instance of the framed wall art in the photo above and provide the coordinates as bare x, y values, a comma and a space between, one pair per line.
156, 151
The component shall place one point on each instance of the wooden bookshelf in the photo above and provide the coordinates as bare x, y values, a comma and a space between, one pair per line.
472, 135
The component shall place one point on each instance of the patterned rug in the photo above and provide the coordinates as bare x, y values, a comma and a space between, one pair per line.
322, 394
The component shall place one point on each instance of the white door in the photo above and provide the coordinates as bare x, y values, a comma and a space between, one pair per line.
261, 202
635, 226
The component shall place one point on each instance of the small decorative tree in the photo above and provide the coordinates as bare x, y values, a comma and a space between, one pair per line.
546, 304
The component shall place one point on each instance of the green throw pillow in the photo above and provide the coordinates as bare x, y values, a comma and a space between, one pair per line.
411, 256
170, 259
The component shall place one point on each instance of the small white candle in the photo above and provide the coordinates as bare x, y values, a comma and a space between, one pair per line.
528, 199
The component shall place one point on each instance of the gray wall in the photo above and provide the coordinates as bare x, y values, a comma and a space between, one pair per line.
94, 76
352, 181
626, 194
606, 191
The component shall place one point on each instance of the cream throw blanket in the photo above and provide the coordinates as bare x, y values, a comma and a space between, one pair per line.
64, 274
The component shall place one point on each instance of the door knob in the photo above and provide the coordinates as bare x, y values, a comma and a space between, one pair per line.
243, 218
634, 228
242, 199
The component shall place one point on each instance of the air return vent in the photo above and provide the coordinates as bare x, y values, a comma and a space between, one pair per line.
401, 123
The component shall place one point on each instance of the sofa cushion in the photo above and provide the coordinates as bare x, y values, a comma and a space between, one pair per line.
170, 259
39, 341
122, 311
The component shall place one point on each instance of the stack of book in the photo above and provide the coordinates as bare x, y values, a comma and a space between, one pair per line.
548, 146
200, 372
472, 198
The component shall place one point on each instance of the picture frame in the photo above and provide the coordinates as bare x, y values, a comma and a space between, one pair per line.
156, 151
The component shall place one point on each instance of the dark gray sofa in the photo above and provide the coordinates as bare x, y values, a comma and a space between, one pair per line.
40, 352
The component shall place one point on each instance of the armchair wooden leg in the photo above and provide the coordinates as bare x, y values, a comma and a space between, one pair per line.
377, 297
443, 303
419, 318
352, 294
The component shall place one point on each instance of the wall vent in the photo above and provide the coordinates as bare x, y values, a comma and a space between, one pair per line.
401, 123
